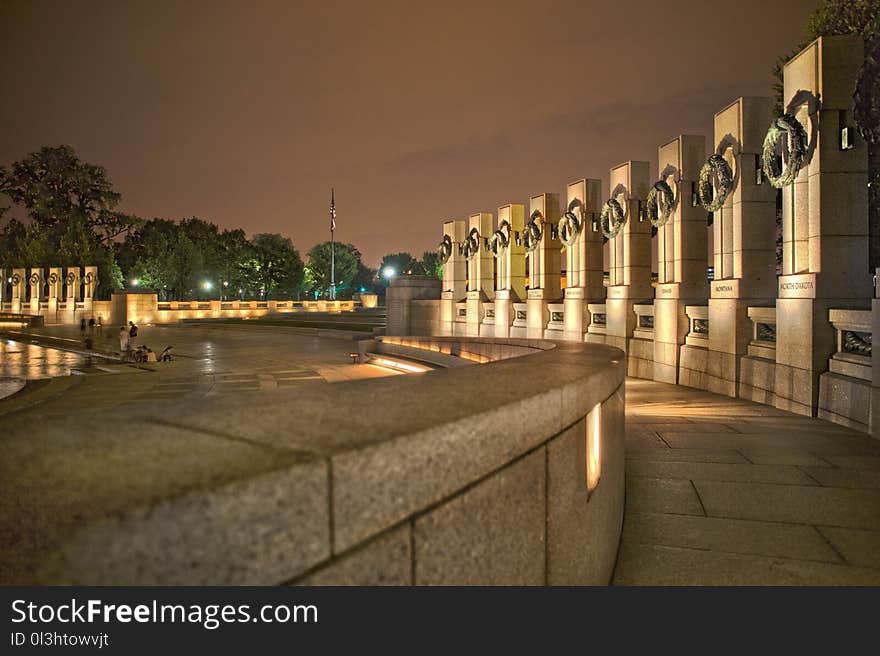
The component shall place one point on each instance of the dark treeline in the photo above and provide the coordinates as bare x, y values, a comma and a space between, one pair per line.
73, 221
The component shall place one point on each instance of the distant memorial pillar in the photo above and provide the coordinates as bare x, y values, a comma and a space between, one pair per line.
454, 287
542, 262
480, 270
55, 288
825, 214
19, 290
583, 255
681, 249
743, 207
72, 283
510, 264
90, 286
629, 250
35, 282
4, 281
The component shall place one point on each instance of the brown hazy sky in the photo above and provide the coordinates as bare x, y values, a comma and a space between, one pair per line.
245, 113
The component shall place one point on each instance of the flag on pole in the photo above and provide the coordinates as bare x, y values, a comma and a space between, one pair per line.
332, 212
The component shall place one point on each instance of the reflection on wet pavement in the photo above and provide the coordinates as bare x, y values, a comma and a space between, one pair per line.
31, 361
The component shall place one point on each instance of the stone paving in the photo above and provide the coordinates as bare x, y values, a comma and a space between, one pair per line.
722, 491
208, 361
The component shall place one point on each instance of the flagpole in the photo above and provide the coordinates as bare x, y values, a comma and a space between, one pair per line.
332, 246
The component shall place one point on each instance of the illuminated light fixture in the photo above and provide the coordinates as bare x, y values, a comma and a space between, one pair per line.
134, 283
401, 366
594, 447
206, 285
389, 272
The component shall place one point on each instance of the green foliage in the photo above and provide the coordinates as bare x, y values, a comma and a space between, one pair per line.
401, 263
274, 266
430, 265
347, 259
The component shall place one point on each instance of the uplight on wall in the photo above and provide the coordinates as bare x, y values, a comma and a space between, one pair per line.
594, 447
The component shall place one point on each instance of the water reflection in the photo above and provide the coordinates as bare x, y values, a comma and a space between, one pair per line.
31, 361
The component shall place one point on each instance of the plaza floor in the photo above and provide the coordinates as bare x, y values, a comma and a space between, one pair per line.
208, 361
722, 491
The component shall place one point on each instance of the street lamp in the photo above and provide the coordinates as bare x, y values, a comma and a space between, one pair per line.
389, 272
135, 282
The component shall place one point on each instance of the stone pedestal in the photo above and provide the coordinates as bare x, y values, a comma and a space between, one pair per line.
454, 286
35, 282
73, 292
629, 254
520, 320
510, 261
19, 290
825, 219
480, 270
583, 257
681, 254
543, 262
403, 290
744, 238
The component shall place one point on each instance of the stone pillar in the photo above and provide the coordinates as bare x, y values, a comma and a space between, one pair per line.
629, 254
90, 285
744, 231
825, 219
681, 253
543, 262
583, 257
480, 269
55, 282
510, 261
72, 288
454, 287
19, 290
35, 282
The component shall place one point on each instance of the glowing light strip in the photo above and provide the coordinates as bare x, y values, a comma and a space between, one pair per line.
393, 364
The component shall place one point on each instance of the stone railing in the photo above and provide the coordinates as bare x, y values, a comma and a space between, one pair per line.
763, 342
598, 318
854, 337
509, 472
644, 321
698, 318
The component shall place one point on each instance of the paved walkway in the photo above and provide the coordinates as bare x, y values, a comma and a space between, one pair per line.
724, 491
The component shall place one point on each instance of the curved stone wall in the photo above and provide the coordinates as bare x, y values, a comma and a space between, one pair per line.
466, 475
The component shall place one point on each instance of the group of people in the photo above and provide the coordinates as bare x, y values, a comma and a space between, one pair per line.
126, 337
96, 327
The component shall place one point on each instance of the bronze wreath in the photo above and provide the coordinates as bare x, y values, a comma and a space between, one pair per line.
611, 219
444, 249
533, 231
718, 166
660, 202
796, 146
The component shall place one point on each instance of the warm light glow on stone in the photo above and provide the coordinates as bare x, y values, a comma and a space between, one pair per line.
593, 451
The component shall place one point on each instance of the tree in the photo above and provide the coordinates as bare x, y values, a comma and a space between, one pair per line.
397, 264
274, 266
347, 259
862, 17
70, 204
365, 279
55, 187
430, 264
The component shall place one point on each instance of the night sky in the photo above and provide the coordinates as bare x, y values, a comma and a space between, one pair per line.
246, 113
